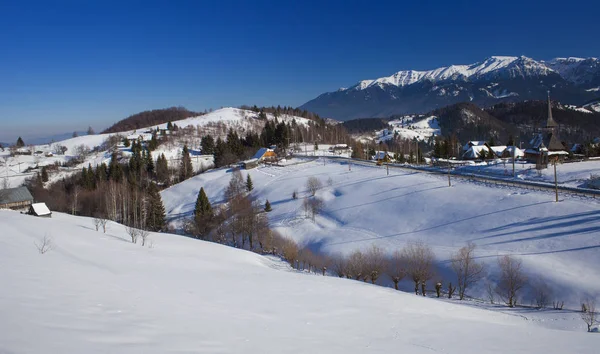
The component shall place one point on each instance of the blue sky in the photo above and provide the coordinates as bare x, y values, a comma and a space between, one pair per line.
70, 64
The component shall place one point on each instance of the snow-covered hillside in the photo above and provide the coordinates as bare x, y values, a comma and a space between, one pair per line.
98, 293
411, 127
215, 123
557, 241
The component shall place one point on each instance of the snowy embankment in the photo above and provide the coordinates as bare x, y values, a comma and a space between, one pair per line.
98, 293
558, 242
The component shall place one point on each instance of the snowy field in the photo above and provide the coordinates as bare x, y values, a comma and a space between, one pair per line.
574, 174
98, 293
558, 242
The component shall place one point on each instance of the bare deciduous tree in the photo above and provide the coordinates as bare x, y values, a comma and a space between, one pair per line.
133, 233
144, 235
375, 263
467, 270
356, 265
590, 316
44, 245
542, 294
419, 260
397, 268
313, 184
339, 264
97, 223
512, 279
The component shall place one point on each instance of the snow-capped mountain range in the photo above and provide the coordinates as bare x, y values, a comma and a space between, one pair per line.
497, 78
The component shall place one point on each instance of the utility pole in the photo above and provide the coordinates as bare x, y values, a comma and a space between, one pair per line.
555, 181
514, 153
350, 166
387, 166
449, 168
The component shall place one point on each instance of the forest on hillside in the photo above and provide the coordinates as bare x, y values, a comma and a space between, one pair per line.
150, 118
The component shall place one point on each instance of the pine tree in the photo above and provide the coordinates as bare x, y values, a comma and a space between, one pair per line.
101, 172
162, 169
169, 126
268, 206
203, 207
203, 214
155, 210
185, 170
153, 142
249, 184
20, 143
208, 145
511, 141
149, 163
115, 171
44, 174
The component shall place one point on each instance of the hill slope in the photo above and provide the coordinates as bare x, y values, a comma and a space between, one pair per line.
97, 293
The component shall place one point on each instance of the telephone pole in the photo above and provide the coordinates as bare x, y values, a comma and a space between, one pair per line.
555, 181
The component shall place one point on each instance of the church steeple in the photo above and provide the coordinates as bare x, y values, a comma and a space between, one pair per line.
551, 123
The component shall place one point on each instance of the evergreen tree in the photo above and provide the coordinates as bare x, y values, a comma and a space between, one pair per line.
208, 145
149, 163
317, 146
249, 184
20, 143
203, 214
126, 142
101, 172
153, 144
169, 126
155, 210
492, 141
203, 207
220, 151
115, 171
185, 170
268, 206
162, 169
511, 141
44, 174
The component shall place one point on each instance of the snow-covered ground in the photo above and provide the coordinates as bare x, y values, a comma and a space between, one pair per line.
410, 127
99, 293
558, 242
12, 168
575, 174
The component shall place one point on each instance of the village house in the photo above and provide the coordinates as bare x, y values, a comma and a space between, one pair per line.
383, 156
15, 198
265, 154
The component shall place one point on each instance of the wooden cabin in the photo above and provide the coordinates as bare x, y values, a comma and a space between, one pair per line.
15, 198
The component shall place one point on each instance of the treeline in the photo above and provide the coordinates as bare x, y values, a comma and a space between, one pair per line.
575, 126
278, 111
150, 118
364, 125
126, 193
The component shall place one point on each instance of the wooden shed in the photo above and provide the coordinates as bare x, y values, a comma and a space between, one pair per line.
15, 198
40, 209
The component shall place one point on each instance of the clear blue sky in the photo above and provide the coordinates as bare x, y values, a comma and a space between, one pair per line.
67, 65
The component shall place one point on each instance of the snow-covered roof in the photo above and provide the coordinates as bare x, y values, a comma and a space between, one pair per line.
40, 209
380, 155
473, 143
517, 152
498, 150
473, 152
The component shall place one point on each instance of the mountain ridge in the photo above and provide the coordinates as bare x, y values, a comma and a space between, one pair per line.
496, 79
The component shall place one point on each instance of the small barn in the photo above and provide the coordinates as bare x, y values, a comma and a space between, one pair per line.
40, 209
15, 198
249, 164
475, 151
383, 156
